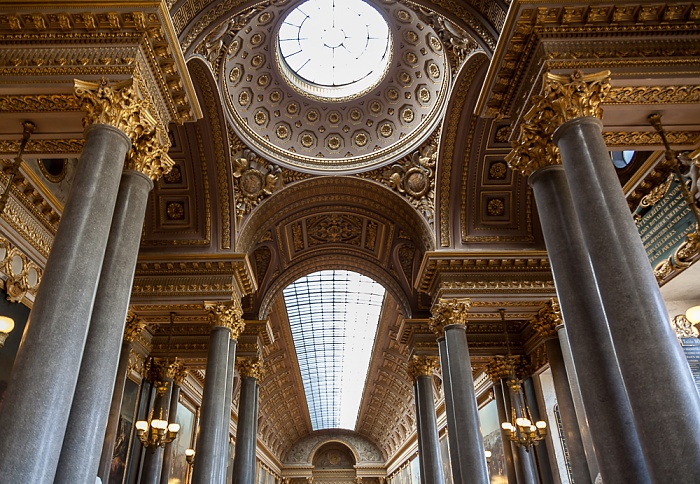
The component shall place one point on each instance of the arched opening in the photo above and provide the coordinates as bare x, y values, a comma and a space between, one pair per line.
334, 461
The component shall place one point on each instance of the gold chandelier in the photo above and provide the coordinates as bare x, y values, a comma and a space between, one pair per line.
520, 430
154, 433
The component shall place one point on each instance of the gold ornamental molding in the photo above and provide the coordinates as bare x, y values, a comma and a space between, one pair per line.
228, 314
651, 139
58, 41
64, 147
487, 270
22, 275
633, 37
652, 95
39, 103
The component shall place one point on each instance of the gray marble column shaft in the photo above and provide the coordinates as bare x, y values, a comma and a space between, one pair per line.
541, 449
427, 429
581, 415
208, 460
612, 429
419, 434
647, 349
572, 434
86, 426
470, 442
169, 448
45, 372
525, 462
504, 416
246, 433
228, 401
449, 410
115, 408
153, 459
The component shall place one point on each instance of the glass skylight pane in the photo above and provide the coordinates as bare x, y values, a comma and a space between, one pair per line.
333, 317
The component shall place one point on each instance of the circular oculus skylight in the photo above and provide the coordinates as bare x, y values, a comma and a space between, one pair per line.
334, 48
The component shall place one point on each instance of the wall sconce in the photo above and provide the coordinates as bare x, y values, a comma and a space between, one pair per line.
693, 315
189, 456
7, 324
487, 453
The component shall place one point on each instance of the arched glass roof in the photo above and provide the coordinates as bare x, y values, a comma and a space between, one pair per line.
333, 317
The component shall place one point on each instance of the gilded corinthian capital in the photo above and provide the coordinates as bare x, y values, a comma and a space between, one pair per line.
547, 319
117, 105
227, 314
250, 367
133, 328
422, 366
448, 311
149, 153
562, 99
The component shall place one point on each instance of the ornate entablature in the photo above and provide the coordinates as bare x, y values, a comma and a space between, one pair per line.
58, 43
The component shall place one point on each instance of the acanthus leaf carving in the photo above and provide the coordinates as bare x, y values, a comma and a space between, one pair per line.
253, 180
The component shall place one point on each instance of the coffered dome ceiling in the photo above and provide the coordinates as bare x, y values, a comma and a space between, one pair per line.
312, 133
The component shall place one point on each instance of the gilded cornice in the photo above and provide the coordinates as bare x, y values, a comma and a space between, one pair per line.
547, 319
438, 264
449, 311
422, 366
591, 35
250, 368
101, 39
227, 314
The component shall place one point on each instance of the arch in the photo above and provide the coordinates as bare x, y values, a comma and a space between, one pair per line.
378, 218
217, 153
332, 444
455, 139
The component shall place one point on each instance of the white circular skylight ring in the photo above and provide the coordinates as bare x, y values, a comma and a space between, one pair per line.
334, 49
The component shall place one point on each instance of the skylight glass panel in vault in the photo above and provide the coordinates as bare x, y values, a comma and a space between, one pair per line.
333, 316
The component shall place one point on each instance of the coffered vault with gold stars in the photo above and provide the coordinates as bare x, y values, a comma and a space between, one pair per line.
407, 183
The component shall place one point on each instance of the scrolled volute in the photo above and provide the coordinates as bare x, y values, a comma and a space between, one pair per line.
448, 311
547, 319
422, 366
250, 367
227, 314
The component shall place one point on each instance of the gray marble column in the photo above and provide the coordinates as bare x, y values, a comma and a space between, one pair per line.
153, 459
449, 410
246, 432
228, 401
134, 326
45, 373
172, 418
503, 416
541, 450
207, 465
450, 317
86, 426
421, 369
545, 323
581, 415
572, 434
617, 447
647, 349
